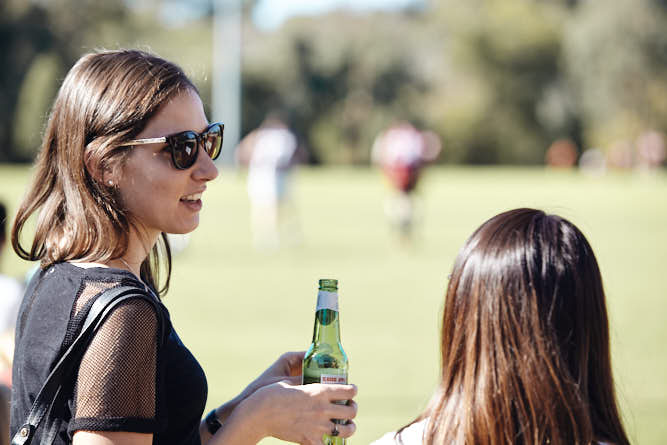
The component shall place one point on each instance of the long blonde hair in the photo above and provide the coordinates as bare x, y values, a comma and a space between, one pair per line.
525, 340
106, 98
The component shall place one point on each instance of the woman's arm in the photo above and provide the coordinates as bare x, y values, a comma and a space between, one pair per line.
294, 413
286, 368
107, 395
276, 405
272, 405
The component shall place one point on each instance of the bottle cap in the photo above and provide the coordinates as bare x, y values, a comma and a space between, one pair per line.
328, 283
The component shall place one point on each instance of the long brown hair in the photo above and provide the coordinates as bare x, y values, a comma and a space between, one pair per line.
525, 340
107, 98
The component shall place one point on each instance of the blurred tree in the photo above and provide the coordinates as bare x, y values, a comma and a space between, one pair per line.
24, 33
60, 28
510, 51
339, 93
485, 74
616, 60
35, 96
40, 41
322, 91
499, 80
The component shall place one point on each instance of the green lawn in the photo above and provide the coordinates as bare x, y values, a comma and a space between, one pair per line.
237, 308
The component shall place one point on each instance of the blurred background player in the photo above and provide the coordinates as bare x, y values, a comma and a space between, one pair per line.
10, 298
270, 152
561, 154
651, 151
402, 151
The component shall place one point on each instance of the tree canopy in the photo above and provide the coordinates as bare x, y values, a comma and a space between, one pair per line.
498, 80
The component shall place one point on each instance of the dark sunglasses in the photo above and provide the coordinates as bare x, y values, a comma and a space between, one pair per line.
184, 146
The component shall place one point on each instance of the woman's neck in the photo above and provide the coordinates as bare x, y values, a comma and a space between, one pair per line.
138, 249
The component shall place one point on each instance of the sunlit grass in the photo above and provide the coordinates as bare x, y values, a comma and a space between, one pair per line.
238, 308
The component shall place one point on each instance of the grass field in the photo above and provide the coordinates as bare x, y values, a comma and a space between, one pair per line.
237, 308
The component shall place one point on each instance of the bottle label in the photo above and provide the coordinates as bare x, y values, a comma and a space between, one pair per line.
333, 379
327, 300
326, 375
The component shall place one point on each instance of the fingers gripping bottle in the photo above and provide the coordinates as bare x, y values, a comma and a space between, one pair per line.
325, 361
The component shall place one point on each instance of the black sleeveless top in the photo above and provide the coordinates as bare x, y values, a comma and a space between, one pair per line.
129, 379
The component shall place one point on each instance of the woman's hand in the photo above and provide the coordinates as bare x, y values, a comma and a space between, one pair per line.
275, 404
286, 368
301, 413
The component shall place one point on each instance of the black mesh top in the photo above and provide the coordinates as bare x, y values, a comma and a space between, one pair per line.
128, 380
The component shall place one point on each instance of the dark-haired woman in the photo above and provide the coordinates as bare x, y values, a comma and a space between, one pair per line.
126, 157
524, 342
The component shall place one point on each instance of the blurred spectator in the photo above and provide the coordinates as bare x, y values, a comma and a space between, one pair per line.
10, 298
621, 155
651, 151
270, 152
11, 292
5, 395
562, 154
402, 151
593, 162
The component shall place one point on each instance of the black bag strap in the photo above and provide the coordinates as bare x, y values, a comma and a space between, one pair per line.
52, 388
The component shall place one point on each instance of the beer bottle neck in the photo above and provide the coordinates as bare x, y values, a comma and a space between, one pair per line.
327, 329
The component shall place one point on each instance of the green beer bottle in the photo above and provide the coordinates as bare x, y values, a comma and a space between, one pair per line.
325, 361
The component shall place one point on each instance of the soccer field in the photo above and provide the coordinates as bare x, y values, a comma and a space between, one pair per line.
238, 308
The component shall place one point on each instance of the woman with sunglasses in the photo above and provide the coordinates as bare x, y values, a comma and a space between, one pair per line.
524, 342
125, 159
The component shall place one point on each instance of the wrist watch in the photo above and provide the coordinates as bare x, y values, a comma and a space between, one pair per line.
212, 422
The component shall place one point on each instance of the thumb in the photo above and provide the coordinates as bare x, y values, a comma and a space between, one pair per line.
294, 362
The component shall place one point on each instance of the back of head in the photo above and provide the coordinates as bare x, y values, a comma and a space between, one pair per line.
106, 99
525, 342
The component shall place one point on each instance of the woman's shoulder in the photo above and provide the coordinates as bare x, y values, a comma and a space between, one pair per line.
412, 435
73, 275
84, 283
70, 291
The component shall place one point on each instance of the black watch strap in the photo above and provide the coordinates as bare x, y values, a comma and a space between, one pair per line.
212, 422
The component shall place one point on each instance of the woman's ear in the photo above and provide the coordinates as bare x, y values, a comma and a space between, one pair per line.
108, 178
104, 176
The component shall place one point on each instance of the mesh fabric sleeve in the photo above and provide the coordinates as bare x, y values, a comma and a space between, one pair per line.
118, 380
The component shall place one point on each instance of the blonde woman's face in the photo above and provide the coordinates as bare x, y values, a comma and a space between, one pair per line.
159, 197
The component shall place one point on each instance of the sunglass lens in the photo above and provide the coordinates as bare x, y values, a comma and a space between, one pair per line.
185, 152
213, 142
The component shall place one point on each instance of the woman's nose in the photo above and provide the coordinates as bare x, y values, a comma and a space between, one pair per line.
205, 169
